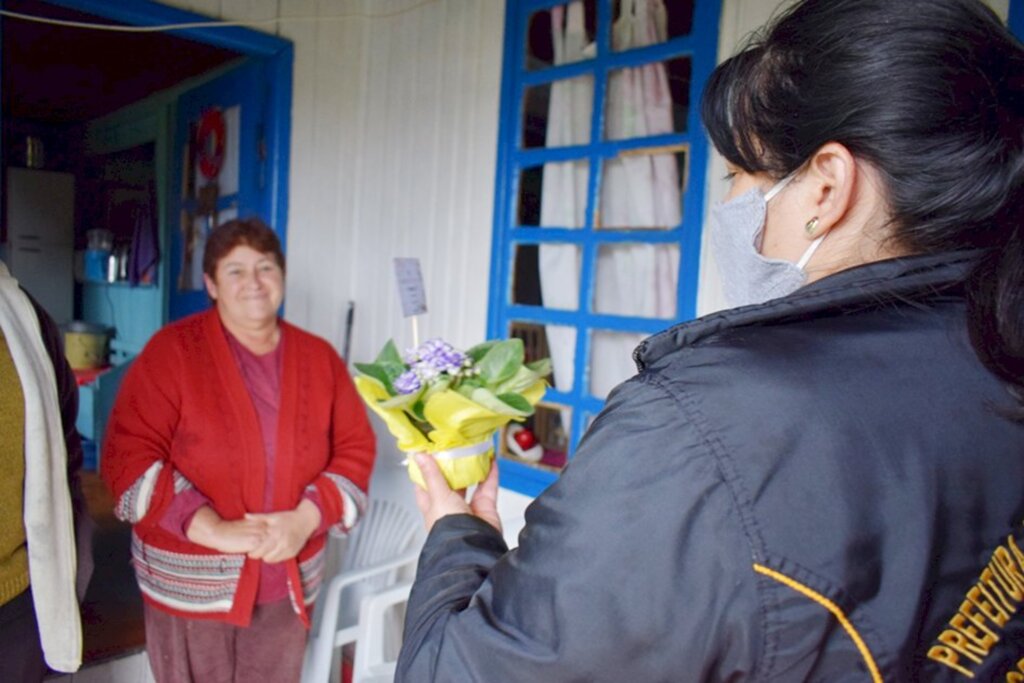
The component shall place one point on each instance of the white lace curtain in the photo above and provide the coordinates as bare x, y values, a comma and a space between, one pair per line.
637, 191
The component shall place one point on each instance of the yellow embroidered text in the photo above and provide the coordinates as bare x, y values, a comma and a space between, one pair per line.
988, 605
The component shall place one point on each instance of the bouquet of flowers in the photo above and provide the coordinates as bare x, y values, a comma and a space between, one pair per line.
450, 403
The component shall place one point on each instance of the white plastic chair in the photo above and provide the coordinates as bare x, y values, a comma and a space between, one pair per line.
372, 664
381, 552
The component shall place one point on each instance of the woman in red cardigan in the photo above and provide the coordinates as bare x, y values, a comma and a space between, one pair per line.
236, 442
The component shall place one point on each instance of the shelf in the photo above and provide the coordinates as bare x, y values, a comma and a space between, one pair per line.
120, 283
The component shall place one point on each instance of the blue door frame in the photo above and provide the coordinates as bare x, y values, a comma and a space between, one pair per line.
277, 52
1016, 21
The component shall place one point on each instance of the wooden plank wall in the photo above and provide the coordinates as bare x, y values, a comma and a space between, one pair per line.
394, 134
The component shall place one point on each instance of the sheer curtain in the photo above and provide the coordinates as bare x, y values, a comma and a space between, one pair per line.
564, 188
637, 191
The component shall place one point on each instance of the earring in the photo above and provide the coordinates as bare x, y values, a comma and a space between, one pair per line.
812, 226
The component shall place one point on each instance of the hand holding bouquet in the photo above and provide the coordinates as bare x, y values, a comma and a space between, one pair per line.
450, 403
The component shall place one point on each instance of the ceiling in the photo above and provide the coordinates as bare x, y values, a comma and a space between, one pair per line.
55, 74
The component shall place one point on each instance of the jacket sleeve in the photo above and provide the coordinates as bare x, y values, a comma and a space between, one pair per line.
632, 566
137, 447
341, 489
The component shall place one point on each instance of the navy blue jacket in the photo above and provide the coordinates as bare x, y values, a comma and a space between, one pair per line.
819, 488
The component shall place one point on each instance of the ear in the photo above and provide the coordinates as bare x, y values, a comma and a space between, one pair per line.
211, 287
832, 172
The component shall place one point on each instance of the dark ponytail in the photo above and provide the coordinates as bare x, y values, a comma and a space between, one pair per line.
995, 309
930, 93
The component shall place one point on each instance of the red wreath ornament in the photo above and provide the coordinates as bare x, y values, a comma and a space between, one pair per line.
210, 137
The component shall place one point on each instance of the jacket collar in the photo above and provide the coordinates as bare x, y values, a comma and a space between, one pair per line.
869, 286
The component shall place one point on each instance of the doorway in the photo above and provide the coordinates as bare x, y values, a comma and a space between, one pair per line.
113, 116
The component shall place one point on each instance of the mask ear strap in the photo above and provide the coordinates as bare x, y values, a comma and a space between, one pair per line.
810, 252
778, 187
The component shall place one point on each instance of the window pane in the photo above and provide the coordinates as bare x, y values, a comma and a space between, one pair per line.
542, 439
611, 360
643, 191
653, 99
557, 342
560, 35
645, 22
557, 114
554, 195
526, 276
559, 266
548, 275
637, 280
535, 340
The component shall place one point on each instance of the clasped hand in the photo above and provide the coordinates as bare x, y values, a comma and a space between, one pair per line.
270, 536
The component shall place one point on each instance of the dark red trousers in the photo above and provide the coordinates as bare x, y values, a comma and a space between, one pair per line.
269, 650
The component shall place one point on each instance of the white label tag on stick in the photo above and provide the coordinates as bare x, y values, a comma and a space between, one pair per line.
410, 286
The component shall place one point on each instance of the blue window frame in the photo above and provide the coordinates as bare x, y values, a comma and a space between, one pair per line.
1017, 18
688, 55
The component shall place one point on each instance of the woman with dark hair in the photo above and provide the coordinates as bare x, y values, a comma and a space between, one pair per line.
824, 483
236, 442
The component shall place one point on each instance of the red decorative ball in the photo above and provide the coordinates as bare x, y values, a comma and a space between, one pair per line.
525, 439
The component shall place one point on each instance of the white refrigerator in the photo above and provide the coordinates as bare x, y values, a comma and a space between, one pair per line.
40, 237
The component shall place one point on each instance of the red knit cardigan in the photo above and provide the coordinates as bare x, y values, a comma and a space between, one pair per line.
183, 418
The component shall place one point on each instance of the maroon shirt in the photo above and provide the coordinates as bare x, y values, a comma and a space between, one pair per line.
262, 377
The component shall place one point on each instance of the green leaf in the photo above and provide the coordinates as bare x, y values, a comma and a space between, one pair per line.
542, 367
392, 369
496, 404
524, 377
379, 373
480, 350
517, 402
389, 354
502, 361
416, 410
467, 385
384, 372
401, 400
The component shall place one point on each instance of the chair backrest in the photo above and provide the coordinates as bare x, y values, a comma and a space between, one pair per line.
379, 553
387, 530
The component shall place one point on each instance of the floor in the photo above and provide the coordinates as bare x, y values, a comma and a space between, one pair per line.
114, 638
112, 610
132, 668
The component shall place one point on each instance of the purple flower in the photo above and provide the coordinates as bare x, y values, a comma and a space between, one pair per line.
433, 357
440, 355
407, 383
425, 371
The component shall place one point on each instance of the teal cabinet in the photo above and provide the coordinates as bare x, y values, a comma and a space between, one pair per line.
95, 401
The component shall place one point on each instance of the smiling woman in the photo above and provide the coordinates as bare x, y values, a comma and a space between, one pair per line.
231, 487
243, 269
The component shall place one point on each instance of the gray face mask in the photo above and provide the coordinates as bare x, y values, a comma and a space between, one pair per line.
737, 230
